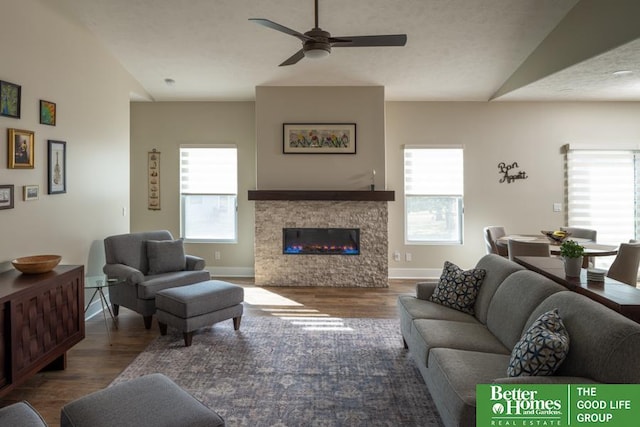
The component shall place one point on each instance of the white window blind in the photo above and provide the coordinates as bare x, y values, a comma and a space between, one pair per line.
208, 190
433, 188
602, 192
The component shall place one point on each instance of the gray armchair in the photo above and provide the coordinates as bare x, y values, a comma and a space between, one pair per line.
148, 262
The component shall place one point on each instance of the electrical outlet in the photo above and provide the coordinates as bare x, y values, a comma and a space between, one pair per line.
407, 257
217, 255
396, 256
557, 207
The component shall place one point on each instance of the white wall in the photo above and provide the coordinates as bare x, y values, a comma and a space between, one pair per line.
55, 59
362, 105
166, 125
531, 134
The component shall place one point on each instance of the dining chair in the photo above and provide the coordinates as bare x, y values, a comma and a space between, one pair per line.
522, 248
581, 233
624, 267
491, 235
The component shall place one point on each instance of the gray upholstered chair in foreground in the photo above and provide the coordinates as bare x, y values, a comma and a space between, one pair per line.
148, 262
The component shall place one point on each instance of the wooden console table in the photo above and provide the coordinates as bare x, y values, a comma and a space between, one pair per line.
618, 296
41, 317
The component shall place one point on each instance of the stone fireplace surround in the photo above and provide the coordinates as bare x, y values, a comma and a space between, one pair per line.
366, 210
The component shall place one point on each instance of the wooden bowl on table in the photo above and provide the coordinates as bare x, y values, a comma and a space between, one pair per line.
36, 264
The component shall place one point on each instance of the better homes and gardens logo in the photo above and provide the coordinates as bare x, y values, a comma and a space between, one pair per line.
611, 405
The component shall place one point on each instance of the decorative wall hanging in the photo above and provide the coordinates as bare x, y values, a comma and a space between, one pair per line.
30, 192
21, 152
10, 99
6, 196
319, 138
57, 181
47, 113
509, 173
154, 180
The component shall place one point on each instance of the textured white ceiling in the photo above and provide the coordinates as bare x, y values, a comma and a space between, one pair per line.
457, 50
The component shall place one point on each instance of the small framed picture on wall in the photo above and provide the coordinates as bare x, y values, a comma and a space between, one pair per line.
31, 192
57, 169
6, 196
47, 113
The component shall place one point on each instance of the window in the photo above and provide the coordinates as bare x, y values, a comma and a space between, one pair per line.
433, 190
602, 192
209, 193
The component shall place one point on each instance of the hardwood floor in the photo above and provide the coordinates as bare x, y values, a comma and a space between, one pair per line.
94, 362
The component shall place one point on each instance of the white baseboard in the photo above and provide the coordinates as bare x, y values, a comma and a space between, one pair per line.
231, 271
414, 273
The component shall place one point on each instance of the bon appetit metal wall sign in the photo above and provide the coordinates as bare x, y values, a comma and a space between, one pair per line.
509, 172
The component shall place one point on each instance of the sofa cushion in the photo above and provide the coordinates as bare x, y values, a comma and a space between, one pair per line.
410, 308
458, 288
433, 333
542, 348
605, 345
153, 284
452, 376
165, 256
498, 268
513, 302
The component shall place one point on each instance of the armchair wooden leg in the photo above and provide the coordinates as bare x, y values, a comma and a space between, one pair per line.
236, 322
116, 309
163, 328
147, 321
188, 336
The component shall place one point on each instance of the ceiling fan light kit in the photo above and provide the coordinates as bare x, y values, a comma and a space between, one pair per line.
317, 43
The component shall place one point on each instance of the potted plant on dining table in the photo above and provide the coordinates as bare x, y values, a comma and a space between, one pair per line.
571, 253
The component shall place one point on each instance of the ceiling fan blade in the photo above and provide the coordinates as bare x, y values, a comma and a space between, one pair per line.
360, 41
275, 26
293, 58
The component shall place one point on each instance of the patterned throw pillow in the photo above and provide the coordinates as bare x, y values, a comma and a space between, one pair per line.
458, 288
542, 349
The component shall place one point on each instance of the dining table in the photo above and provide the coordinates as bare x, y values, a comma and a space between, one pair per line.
591, 248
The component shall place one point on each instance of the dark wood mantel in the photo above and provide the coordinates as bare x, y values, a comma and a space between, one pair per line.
361, 196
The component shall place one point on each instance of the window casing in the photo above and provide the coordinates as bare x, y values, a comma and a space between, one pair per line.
209, 193
433, 192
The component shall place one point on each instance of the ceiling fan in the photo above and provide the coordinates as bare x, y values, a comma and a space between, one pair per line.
317, 43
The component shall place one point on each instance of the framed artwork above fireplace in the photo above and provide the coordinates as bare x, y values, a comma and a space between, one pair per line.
319, 138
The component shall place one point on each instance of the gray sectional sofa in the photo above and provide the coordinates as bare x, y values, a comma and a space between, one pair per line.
454, 351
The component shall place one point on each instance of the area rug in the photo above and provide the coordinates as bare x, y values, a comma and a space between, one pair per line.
296, 372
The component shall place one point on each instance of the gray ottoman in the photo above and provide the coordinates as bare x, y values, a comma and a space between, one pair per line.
21, 414
148, 401
192, 307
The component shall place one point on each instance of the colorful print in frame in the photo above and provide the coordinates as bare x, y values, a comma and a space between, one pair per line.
10, 99
47, 113
319, 138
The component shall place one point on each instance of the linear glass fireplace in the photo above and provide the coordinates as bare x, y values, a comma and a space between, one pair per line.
321, 241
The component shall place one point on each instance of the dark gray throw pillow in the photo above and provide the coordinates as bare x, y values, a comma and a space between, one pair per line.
165, 256
458, 288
